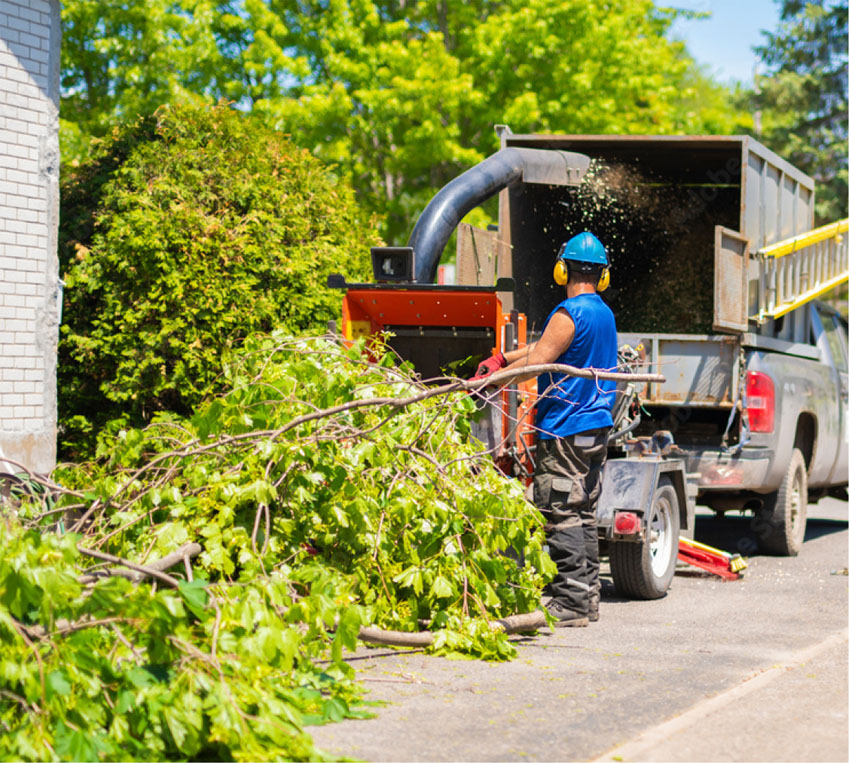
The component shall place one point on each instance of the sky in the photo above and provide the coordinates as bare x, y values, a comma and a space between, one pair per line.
724, 41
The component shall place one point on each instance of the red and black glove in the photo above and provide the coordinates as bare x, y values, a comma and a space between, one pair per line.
490, 365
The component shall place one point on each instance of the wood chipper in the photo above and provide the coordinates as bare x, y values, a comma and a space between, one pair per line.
445, 330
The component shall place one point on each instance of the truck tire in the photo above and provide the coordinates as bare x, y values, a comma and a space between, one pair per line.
780, 523
644, 570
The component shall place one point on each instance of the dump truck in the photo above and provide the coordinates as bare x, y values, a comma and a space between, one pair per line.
716, 273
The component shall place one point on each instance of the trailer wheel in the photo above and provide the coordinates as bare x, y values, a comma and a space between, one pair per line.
781, 521
644, 570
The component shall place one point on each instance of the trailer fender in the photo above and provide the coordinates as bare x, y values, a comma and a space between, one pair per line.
629, 485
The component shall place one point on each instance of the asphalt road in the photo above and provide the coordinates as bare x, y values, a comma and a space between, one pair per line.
754, 669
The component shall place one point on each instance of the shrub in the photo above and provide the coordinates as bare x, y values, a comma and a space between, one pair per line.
187, 231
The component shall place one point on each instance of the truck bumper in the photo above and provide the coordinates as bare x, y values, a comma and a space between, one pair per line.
720, 471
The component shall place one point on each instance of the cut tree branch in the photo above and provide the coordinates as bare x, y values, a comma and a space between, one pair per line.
146, 571
531, 621
138, 573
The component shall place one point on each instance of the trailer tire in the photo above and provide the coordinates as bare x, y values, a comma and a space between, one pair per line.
644, 570
780, 523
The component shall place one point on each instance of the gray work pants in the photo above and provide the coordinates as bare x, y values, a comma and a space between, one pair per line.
567, 484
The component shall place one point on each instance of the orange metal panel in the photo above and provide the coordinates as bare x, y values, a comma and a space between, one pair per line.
407, 307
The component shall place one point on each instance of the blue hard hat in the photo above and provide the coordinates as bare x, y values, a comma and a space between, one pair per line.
584, 248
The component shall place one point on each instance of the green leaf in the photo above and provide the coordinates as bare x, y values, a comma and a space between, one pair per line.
442, 588
74, 744
195, 596
335, 710
57, 683
126, 701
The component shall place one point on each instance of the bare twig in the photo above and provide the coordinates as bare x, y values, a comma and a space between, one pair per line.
34, 649
188, 565
261, 511
61, 510
377, 536
376, 680
63, 627
215, 629
127, 644
20, 700
80, 523
422, 454
41, 480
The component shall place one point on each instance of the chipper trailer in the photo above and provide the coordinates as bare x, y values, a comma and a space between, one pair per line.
715, 271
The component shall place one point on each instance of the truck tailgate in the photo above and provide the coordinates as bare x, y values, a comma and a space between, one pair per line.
700, 370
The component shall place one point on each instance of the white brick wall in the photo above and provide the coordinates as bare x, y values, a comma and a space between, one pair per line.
29, 282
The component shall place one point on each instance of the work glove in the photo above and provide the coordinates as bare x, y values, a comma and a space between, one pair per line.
490, 365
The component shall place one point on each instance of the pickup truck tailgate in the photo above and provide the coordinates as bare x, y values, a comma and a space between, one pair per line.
700, 370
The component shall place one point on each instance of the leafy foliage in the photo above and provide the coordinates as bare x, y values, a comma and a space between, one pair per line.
190, 230
114, 671
328, 491
803, 96
124, 60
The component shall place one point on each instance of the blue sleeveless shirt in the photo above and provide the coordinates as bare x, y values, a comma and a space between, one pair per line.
569, 405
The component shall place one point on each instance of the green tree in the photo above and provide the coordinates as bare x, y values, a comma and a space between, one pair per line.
124, 60
121, 60
190, 230
400, 97
404, 99
803, 96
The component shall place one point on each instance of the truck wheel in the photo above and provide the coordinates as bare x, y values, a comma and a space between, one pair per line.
780, 523
644, 570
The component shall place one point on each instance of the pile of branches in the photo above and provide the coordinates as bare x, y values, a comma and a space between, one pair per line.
190, 592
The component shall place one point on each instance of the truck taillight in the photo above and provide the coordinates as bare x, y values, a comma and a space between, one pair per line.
760, 402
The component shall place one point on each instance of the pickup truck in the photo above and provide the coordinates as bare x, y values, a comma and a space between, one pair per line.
783, 441
716, 267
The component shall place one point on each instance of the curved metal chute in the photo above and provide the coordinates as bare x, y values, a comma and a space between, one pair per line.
453, 202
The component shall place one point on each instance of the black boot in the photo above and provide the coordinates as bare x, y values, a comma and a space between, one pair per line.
592, 615
565, 617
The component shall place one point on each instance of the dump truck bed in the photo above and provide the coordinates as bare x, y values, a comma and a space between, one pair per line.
678, 215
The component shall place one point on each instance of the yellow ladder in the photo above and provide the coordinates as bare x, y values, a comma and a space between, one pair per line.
802, 268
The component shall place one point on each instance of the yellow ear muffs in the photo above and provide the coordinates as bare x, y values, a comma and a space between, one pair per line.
603, 280
561, 273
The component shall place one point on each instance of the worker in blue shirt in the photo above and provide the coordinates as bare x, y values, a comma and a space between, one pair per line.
573, 419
